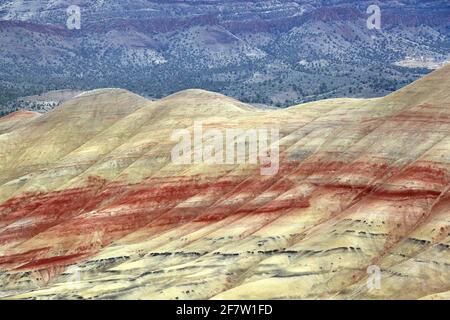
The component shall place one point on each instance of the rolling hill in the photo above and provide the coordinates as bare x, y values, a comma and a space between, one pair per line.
92, 207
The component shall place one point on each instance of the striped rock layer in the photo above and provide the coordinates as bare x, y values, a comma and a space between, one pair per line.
92, 207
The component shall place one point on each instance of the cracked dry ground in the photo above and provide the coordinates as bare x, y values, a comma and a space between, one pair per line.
92, 207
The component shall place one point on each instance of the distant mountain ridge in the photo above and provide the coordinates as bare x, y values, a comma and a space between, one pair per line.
272, 52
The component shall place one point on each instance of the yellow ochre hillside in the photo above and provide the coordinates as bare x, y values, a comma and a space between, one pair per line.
92, 205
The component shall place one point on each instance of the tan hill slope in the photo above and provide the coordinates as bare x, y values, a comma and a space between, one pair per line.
16, 119
93, 207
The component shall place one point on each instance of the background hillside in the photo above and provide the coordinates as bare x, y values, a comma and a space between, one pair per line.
271, 52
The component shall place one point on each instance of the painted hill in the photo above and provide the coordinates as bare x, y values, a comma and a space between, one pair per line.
15, 119
93, 207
